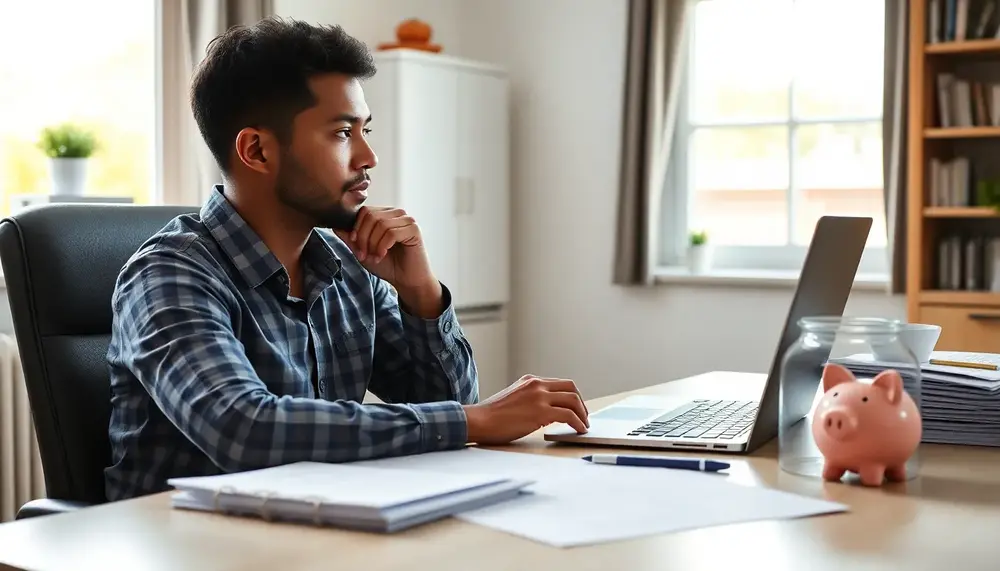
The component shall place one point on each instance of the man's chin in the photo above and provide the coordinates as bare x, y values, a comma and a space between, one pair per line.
342, 220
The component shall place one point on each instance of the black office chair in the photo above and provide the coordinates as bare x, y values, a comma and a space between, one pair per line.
60, 262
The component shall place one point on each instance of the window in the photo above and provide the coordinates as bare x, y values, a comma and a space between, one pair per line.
779, 124
91, 64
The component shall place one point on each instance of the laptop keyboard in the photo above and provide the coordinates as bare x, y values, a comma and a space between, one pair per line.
722, 419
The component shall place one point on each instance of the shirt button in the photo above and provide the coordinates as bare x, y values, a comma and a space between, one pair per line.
447, 327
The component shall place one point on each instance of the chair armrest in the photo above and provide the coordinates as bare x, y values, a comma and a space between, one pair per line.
48, 506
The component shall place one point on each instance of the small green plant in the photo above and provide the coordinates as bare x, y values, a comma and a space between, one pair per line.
988, 193
67, 141
699, 238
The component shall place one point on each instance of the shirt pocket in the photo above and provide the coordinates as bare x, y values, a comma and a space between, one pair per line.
358, 341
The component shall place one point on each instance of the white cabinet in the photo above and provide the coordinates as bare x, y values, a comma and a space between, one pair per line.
487, 334
440, 130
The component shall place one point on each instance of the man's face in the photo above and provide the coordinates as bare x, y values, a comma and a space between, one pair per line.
323, 173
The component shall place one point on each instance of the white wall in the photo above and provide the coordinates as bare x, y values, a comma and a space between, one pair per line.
566, 60
374, 21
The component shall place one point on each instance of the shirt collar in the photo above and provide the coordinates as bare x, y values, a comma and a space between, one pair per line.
248, 252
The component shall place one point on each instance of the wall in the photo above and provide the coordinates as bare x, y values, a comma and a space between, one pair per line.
565, 58
374, 21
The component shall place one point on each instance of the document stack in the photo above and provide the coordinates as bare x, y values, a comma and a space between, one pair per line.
344, 495
960, 394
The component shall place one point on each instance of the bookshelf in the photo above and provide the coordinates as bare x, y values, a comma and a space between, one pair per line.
953, 177
960, 212
981, 46
961, 132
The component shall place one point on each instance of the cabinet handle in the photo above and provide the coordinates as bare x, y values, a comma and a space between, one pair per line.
464, 196
472, 196
985, 316
459, 196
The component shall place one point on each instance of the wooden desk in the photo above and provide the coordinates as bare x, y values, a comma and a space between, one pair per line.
948, 519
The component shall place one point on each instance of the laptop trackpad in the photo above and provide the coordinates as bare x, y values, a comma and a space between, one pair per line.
626, 413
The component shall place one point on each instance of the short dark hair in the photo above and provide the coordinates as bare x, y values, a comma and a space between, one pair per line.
258, 76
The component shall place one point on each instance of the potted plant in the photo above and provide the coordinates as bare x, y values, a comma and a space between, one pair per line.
699, 252
69, 148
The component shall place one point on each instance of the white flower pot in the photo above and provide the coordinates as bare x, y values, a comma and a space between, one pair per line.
69, 175
700, 258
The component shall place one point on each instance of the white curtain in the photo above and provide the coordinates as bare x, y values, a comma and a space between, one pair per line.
186, 27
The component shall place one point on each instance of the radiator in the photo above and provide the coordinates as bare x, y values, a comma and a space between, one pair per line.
20, 466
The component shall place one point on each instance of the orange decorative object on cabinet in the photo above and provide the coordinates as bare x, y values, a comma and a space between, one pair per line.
412, 34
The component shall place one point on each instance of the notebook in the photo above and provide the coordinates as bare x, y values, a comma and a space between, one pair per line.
344, 495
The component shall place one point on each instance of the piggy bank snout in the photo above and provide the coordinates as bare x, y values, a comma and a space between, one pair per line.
839, 423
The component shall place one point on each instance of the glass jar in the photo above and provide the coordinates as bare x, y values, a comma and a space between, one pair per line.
865, 346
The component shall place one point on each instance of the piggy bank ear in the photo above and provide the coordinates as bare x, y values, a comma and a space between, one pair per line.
889, 384
834, 374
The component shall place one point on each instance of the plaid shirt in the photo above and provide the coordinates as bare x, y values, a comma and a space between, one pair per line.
215, 367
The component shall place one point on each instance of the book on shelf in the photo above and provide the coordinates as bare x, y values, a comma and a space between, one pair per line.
957, 183
966, 103
962, 20
968, 263
950, 182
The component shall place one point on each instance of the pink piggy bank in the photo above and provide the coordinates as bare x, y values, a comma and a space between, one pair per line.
869, 429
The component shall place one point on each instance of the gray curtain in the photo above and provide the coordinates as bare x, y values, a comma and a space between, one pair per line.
894, 131
655, 58
196, 23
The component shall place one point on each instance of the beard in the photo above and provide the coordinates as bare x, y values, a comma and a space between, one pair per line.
304, 194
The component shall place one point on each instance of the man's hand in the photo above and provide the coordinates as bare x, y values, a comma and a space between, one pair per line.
524, 407
388, 244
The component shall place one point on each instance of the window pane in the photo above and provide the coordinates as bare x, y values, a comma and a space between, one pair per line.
739, 180
740, 65
839, 172
94, 66
838, 75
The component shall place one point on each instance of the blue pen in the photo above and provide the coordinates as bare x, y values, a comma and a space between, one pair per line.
699, 464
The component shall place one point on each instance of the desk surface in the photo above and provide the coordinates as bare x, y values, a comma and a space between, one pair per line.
948, 518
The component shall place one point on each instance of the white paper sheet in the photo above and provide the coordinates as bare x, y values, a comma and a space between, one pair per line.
574, 502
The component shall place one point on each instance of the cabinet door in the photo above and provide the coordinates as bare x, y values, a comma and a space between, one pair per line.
427, 150
488, 337
483, 190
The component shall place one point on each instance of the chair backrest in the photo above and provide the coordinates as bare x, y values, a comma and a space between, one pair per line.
60, 263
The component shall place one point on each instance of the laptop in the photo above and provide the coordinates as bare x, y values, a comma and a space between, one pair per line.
734, 424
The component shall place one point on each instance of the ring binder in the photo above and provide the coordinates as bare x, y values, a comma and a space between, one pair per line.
265, 496
342, 495
317, 503
215, 497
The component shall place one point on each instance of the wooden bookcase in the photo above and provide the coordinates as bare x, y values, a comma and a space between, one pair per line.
969, 313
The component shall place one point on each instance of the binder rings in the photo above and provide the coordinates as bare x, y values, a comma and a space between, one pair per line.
344, 495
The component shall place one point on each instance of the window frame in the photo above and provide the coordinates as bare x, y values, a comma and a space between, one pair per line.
675, 215
170, 165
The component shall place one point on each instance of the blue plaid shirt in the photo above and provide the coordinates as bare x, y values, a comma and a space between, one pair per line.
215, 368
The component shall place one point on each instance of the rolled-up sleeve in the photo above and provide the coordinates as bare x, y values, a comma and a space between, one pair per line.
179, 341
421, 360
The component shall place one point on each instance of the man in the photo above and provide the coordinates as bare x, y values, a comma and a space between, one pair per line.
246, 336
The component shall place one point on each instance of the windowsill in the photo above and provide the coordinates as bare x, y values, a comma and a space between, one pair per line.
756, 278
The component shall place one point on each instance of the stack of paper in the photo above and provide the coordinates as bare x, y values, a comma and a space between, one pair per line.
959, 405
345, 495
